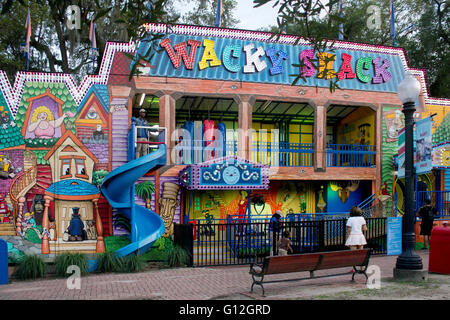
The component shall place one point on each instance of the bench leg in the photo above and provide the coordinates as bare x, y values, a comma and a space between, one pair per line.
360, 272
257, 282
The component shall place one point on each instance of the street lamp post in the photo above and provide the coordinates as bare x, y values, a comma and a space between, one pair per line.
408, 92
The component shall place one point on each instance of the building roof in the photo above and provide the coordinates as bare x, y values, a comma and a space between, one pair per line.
73, 189
101, 91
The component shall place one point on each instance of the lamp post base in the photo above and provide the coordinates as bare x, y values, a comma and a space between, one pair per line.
410, 275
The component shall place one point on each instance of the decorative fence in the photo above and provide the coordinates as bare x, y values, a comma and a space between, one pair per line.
241, 241
350, 155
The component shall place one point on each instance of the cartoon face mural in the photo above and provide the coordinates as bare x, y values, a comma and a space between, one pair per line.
168, 202
43, 124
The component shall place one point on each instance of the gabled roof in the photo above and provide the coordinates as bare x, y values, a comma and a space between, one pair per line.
60, 142
101, 91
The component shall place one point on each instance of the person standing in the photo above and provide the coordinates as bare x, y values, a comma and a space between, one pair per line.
356, 224
427, 214
142, 148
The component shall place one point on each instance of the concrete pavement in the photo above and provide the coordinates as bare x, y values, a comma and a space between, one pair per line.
193, 284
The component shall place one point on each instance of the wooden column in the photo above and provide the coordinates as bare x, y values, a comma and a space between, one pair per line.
45, 223
19, 217
320, 136
98, 223
245, 110
167, 103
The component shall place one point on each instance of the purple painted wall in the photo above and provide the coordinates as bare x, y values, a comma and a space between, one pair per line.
16, 158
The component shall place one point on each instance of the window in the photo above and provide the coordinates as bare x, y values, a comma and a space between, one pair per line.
81, 168
66, 167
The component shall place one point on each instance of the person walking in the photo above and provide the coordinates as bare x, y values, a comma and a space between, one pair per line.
356, 224
274, 231
427, 214
142, 148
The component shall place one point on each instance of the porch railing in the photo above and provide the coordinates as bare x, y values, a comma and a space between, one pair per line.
350, 155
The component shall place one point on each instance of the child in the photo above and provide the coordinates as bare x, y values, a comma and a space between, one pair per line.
285, 244
356, 224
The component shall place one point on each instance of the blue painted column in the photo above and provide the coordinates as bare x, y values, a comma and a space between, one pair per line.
3, 262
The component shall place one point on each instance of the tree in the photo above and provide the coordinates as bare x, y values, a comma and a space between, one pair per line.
204, 13
56, 48
144, 190
421, 28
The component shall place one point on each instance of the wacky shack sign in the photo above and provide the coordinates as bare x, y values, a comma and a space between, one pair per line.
237, 55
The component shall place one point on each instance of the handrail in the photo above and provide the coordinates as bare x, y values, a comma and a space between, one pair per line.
14, 189
17, 185
366, 202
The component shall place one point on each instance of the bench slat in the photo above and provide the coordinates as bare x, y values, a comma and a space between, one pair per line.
292, 263
342, 259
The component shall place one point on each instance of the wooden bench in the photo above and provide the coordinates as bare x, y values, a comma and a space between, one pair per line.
310, 262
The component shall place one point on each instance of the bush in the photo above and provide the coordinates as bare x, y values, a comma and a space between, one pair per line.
30, 267
178, 257
132, 263
63, 261
109, 262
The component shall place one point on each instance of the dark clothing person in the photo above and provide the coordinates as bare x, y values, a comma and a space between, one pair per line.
76, 227
427, 213
275, 223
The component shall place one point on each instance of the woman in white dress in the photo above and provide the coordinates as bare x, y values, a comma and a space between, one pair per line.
356, 224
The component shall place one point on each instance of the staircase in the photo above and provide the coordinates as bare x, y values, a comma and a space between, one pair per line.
43, 180
21, 184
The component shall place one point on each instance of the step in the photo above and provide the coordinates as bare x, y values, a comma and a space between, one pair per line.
6, 226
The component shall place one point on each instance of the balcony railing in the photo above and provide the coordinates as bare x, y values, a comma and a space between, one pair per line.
350, 155
282, 154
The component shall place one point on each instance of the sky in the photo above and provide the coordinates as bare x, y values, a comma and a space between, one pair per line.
255, 18
250, 18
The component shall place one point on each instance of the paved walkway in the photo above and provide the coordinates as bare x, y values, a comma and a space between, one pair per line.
190, 284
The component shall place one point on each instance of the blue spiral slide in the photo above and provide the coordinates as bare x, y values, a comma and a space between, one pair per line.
118, 188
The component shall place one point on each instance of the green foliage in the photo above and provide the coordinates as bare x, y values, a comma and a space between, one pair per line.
98, 177
109, 262
144, 190
178, 257
160, 250
132, 263
251, 252
39, 142
113, 243
63, 261
30, 267
122, 221
32, 236
204, 14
